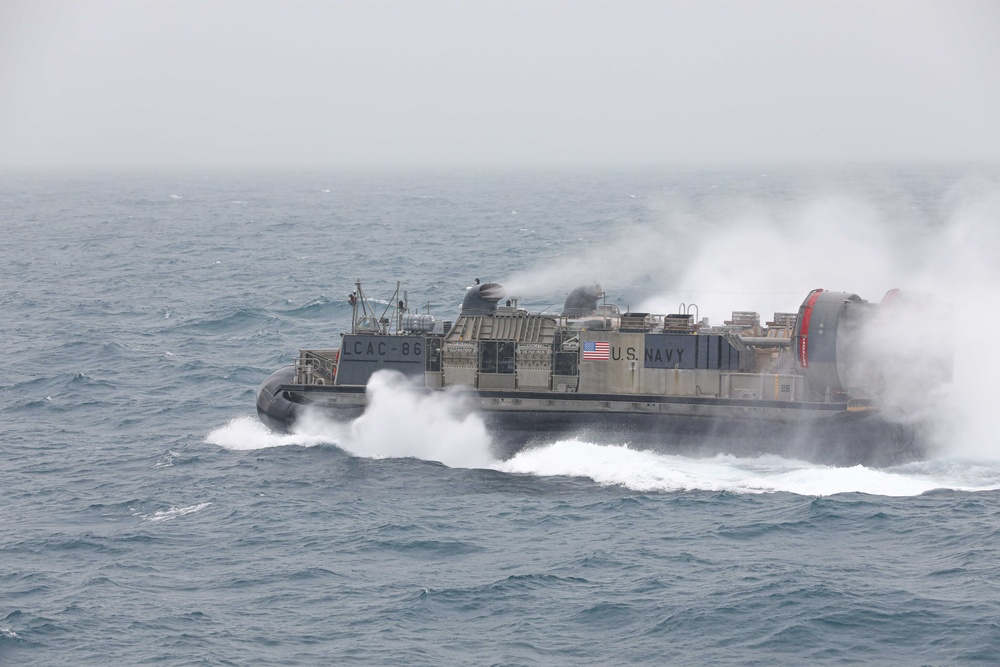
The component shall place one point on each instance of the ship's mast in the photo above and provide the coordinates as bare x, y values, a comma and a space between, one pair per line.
364, 319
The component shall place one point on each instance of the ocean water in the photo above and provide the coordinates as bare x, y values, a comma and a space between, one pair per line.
146, 517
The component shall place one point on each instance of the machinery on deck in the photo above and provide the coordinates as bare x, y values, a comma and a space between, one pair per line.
803, 384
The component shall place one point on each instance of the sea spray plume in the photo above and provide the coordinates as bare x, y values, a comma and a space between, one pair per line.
403, 420
963, 269
904, 357
775, 257
768, 260
726, 250
766, 257
929, 353
631, 254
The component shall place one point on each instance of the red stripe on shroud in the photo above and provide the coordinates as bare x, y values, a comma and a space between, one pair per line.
804, 329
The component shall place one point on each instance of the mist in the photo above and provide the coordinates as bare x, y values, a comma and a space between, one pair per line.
112, 83
928, 353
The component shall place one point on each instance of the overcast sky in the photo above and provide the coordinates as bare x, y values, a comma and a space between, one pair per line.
292, 83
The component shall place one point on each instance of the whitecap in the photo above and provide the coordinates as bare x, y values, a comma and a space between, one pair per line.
173, 513
167, 460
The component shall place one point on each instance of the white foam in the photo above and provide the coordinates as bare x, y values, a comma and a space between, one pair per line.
403, 423
647, 471
174, 512
167, 460
247, 433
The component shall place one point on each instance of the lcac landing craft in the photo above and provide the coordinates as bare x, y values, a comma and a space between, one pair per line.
799, 386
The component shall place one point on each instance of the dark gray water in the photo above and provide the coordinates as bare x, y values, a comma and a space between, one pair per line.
146, 518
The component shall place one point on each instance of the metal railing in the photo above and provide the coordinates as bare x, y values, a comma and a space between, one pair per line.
316, 366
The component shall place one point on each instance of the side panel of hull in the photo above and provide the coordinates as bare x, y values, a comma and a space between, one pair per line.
842, 440
822, 433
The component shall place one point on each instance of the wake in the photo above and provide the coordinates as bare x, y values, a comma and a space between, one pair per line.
646, 471
608, 464
403, 422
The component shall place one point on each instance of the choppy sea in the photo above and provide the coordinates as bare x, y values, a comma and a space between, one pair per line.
146, 517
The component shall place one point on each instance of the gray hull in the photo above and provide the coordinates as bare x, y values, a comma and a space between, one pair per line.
822, 433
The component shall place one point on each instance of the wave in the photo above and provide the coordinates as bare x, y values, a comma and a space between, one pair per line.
257, 322
173, 513
233, 321
59, 392
320, 307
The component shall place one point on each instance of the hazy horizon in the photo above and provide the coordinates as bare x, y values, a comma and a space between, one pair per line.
224, 84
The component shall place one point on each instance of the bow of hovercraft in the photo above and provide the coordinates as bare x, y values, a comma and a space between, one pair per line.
274, 408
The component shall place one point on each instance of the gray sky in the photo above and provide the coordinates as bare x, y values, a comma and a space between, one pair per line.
292, 83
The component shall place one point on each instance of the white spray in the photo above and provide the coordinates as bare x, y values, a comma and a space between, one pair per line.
764, 262
769, 260
402, 420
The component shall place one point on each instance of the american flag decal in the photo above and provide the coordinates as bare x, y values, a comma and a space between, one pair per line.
596, 351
